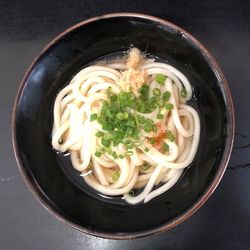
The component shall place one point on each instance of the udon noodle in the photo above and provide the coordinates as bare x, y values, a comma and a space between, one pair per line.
127, 126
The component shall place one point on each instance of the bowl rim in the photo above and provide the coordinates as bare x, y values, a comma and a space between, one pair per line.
222, 166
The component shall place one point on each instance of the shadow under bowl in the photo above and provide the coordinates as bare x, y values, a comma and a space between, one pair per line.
57, 187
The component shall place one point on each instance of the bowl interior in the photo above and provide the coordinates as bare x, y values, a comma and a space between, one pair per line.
51, 176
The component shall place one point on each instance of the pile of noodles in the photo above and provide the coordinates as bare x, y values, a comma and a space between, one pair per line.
74, 132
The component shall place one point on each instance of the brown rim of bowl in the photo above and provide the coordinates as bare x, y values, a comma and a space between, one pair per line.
223, 163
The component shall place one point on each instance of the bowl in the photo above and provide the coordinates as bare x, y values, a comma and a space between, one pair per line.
56, 184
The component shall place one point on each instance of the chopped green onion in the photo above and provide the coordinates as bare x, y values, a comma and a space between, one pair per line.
141, 106
114, 154
127, 142
105, 126
160, 103
130, 146
113, 98
115, 142
130, 123
165, 147
151, 140
120, 116
169, 106
90, 166
116, 176
129, 153
166, 96
155, 128
109, 113
145, 167
126, 115
108, 150
120, 121
109, 90
121, 156
149, 125
163, 111
98, 153
149, 121
136, 119
93, 117
141, 119
108, 136
131, 193
103, 150
99, 134
146, 149
160, 78
129, 131
144, 91
183, 93
105, 142
170, 136
157, 92
137, 143
152, 101
147, 129
160, 116
136, 133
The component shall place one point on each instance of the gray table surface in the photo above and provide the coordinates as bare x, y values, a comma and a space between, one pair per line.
223, 27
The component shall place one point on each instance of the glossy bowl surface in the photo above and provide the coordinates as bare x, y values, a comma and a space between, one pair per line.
51, 177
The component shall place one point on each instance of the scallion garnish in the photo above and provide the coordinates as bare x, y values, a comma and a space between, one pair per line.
120, 120
129, 153
114, 154
144, 91
170, 136
93, 117
160, 78
120, 116
105, 142
151, 140
160, 103
169, 106
116, 176
165, 147
131, 193
109, 91
154, 128
99, 134
160, 116
153, 102
121, 156
166, 96
137, 143
156, 91
183, 93
145, 167
98, 154
126, 115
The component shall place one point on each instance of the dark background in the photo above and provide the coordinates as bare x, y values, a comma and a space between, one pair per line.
223, 27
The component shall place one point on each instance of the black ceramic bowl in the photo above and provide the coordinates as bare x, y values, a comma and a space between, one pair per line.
53, 180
